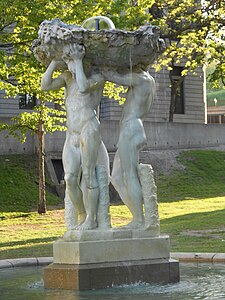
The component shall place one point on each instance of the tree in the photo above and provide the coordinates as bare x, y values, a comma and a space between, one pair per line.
20, 73
194, 33
43, 119
193, 30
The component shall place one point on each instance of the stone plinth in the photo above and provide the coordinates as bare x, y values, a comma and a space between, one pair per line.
104, 275
87, 252
97, 259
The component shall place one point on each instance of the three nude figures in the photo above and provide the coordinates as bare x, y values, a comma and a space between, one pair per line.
84, 148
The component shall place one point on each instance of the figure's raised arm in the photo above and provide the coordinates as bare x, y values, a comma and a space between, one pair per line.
47, 82
74, 59
127, 79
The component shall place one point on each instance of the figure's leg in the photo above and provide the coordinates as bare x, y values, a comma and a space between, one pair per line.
132, 138
103, 178
70, 212
89, 145
103, 158
72, 169
117, 178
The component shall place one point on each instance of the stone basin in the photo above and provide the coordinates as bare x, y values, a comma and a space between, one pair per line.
111, 48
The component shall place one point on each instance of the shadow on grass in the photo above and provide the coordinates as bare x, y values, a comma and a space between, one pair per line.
19, 184
29, 241
41, 250
195, 221
15, 215
39, 247
196, 232
194, 192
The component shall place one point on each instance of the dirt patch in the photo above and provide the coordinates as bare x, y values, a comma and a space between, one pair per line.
162, 161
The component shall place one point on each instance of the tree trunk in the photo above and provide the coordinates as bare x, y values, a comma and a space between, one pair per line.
41, 168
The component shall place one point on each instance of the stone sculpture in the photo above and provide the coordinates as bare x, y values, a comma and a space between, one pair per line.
87, 59
83, 146
91, 254
125, 176
113, 48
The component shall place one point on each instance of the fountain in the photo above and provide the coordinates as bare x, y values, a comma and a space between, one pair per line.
198, 281
92, 254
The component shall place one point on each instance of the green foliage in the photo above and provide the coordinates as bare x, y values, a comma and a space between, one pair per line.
52, 119
193, 31
112, 90
194, 34
19, 22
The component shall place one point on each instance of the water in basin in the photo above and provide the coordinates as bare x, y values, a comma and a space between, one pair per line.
202, 281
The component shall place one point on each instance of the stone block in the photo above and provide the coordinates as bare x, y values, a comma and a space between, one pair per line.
110, 234
84, 252
104, 275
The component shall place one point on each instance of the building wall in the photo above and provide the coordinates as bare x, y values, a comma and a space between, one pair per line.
161, 135
194, 95
195, 104
9, 107
160, 132
11, 145
216, 114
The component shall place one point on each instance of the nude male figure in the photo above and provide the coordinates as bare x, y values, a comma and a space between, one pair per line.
131, 139
83, 141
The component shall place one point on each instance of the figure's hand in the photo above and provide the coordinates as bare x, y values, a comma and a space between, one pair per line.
77, 51
57, 64
73, 52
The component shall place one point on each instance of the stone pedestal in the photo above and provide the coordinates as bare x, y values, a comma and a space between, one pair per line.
109, 258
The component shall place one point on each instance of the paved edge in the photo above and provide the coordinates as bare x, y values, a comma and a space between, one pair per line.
181, 256
198, 257
25, 262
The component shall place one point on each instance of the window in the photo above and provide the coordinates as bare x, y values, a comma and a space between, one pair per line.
27, 101
179, 100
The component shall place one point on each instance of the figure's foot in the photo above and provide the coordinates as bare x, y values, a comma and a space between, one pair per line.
135, 224
88, 224
82, 217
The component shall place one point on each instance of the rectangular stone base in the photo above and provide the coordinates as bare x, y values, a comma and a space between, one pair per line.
104, 275
87, 252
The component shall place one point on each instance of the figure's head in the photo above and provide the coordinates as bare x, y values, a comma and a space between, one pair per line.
40, 52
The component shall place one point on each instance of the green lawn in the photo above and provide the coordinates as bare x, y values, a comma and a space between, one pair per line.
219, 95
19, 184
191, 207
203, 177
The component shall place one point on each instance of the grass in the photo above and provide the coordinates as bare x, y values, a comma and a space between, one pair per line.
195, 225
219, 95
191, 208
19, 184
203, 177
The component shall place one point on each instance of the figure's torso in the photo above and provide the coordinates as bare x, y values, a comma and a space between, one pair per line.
79, 108
137, 104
